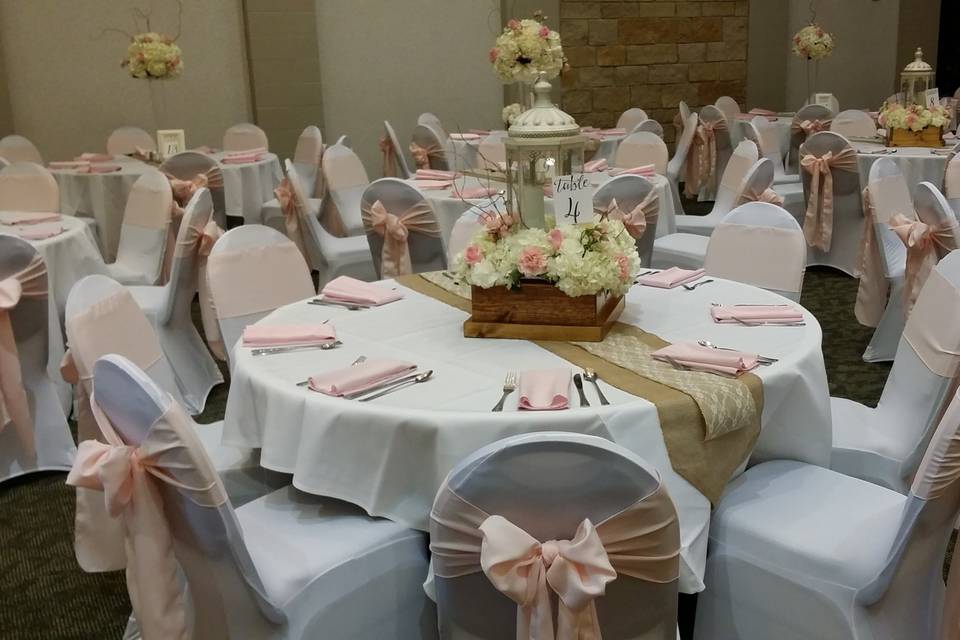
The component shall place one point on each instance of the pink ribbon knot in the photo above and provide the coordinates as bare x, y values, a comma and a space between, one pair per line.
395, 229
924, 243
635, 220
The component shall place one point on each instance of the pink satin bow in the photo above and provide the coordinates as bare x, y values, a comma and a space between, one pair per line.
14, 405
635, 220
421, 155
183, 190
701, 167
810, 127
526, 570
290, 208
873, 287
767, 195
925, 244
389, 161
818, 220
201, 240
395, 229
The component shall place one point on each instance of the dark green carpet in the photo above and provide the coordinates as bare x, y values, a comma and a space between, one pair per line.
46, 595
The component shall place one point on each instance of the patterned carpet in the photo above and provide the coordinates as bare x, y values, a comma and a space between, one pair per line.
46, 595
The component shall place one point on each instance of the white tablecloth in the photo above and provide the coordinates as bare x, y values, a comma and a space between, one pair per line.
101, 196
916, 163
247, 186
608, 147
462, 154
390, 455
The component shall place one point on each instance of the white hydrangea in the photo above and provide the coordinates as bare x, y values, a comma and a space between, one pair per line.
525, 49
812, 43
153, 55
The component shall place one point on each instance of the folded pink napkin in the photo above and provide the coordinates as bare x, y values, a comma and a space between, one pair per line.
613, 132
756, 111
100, 168
766, 314
243, 158
545, 389
353, 291
94, 157
475, 192
699, 357
644, 170
465, 136
435, 174
68, 164
288, 335
432, 185
244, 152
588, 129
670, 278
39, 231
480, 132
359, 377
27, 217
596, 165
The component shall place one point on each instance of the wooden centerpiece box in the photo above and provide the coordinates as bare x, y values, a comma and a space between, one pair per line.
926, 137
538, 310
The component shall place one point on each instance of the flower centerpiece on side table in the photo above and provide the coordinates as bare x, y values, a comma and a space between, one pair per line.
913, 125
526, 49
813, 44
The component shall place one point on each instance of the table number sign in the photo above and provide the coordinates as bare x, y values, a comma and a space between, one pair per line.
932, 98
170, 142
823, 99
572, 199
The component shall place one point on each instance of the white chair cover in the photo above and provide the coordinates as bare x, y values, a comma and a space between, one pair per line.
4, 163
394, 161
731, 111
635, 201
427, 149
650, 126
789, 557
27, 186
346, 179
884, 445
500, 516
33, 430
468, 225
811, 119
144, 232
728, 191
307, 158
126, 140
854, 122
677, 169
631, 118
768, 140
642, 148
14, 148
402, 229
168, 306
427, 119
243, 136
927, 240
951, 182
253, 270
188, 165
284, 566
759, 233
882, 260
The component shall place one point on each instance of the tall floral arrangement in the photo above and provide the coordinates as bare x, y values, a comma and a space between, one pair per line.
153, 56
812, 43
583, 259
525, 49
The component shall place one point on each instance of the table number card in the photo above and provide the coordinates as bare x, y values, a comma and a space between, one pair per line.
170, 142
932, 98
572, 199
823, 99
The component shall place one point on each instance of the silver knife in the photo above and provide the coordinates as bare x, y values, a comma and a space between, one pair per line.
378, 387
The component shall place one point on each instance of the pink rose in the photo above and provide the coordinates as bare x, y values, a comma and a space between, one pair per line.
544, 31
513, 24
556, 238
623, 266
532, 261
496, 224
493, 54
473, 254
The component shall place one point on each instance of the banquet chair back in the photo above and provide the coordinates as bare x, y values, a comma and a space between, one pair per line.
635, 201
186, 165
731, 184
28, 186
768, 141
951, 182
402, 229
676, 166
126, 140
833, 222
854, 123
641, 149
631, 118
712, 118
243, 136
684, 110
396, 152
4, 162
346, 180
253, 270
467, 226
145, 229
811, 119
934, 211
492, 151
731, 111
427, 119
578, 484
306, 160
16, 148
37, 437
428, 149
759, 233
184, 269
650, 126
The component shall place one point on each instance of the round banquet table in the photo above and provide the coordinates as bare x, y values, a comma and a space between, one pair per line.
101, 196
247, 186
390, 455
917, 164
69, 257
448, 207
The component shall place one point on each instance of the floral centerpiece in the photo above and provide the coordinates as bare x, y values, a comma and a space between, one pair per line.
525, 49
153, 56
510, 113
812, 43
914, 124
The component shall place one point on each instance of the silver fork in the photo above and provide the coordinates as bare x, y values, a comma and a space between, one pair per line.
269, 351
509, 386
691, 287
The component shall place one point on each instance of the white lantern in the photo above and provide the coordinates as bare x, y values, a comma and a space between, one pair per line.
916, 78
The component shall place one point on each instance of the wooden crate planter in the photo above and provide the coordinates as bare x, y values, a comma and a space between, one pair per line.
540, 311
926, 137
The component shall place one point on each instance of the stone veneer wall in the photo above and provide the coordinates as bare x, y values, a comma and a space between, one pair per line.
651, 54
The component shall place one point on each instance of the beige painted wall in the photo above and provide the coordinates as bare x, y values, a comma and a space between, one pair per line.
767, 52
6, 114
67, 90
394, 60
915, 31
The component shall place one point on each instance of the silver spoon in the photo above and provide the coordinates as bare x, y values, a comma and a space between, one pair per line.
268, 351
359, 360
351, 307
760, 359
591, 376
691, 287
423, 377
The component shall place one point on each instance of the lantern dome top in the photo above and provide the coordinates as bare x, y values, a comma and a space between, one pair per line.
544, 120
919, 65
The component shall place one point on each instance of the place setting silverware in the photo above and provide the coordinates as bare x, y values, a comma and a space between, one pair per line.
578, 383
332, 303
269, 351
765, 361
691, 287
418, 377
685, 367
509, 386
359, 360
749, 323
591, 376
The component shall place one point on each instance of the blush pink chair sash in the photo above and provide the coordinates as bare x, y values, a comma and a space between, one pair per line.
421, 155
130, 478
818, 220
767, 195
201, 241
635, 221
183, 190
29, 282
641, 542
290, 207
931, 328
874, 287
389, 160
396, 229
926, 244
701, 169
809, 127
277, 272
